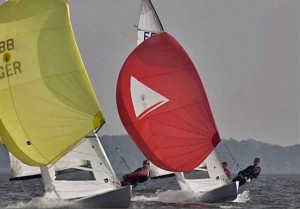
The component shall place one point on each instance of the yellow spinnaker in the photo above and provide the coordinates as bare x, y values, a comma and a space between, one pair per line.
47, 103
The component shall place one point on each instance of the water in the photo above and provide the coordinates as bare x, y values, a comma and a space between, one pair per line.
269, 191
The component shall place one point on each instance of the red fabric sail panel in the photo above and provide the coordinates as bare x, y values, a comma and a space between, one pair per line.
163, 105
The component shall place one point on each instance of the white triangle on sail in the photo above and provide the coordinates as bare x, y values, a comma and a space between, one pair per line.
144, 99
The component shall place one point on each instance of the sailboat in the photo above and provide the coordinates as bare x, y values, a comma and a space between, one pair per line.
163, 106
49, 113
149, 25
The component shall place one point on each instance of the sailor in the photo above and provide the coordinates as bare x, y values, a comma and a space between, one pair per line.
140, 175
225, 167
248, 173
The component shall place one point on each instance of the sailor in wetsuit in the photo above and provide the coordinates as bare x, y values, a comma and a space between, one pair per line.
140, 175
248, 173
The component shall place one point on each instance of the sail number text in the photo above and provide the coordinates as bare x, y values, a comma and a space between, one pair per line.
148, 35
6, 45
9, 68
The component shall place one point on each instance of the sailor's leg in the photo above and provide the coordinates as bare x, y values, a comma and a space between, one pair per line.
242, 181
237, 178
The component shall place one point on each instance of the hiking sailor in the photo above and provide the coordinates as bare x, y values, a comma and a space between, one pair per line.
140, 175
248, 173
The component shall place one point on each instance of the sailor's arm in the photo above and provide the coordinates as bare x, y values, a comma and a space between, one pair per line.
256, 172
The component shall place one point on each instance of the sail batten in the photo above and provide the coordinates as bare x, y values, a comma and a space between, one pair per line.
45, 90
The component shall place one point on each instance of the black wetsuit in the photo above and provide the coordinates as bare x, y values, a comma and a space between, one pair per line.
250, 172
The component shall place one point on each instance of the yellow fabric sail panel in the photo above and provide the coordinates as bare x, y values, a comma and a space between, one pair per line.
47, 103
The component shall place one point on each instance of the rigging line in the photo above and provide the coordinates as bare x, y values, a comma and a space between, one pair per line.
24, 190
234, 160
67, 161
123, 158
118, 150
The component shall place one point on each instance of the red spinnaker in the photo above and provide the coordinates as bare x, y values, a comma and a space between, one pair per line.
163, 105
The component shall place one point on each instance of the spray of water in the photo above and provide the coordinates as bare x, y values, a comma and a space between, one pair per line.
179, 196
242, 198
142, 198
41, 202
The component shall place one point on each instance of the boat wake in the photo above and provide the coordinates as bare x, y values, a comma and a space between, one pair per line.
142, 198
41, 202
178, 196
175, 196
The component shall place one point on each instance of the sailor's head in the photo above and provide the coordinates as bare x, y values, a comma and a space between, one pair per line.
256, 161
224, 164
145, 163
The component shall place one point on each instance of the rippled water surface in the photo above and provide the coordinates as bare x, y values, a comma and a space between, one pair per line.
269, 191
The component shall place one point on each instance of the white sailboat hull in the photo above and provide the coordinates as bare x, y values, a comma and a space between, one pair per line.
224, 193
119, 198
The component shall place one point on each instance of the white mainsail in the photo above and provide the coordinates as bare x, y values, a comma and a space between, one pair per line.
85, 171
94, 176
216, 176
19, 170
149, 23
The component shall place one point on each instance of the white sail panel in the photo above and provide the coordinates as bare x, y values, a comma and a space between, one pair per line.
217, 176
149, 23
21, 170
156, 172
94, 177
215, 168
